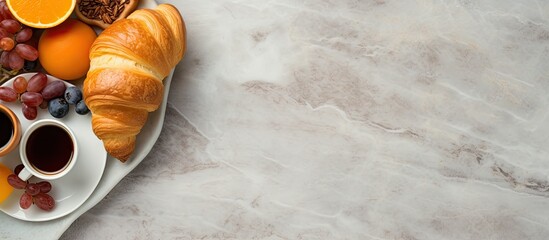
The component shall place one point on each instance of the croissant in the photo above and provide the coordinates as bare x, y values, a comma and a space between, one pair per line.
128, 63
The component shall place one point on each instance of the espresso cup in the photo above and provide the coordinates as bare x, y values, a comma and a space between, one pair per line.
10, 130
48, 150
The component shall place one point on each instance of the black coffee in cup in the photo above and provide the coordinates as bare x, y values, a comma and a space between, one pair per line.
49, 149
6, 129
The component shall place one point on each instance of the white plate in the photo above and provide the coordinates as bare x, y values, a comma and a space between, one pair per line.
114, 172
72, 190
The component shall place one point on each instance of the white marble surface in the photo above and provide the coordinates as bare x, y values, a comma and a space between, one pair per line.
346, 119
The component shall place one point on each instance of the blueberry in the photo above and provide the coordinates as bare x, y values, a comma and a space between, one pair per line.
58, 107
81, 108
73, 95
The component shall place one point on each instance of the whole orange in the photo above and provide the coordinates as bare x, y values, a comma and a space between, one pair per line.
64, 50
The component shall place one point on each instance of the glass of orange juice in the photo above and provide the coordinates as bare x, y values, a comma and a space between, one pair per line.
5, 188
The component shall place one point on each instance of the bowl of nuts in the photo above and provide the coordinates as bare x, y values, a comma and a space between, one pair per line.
103, 13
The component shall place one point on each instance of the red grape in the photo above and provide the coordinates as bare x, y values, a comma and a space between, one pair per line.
45, 187
15, 61
37, 82
7, 94
5, 11
30, 113
4, 58
32, 189
25, 201
12, 26
20, 84
44, 201
53, 89
7, 44
24, 35
31, 99
26, 51
4, 33
16, 182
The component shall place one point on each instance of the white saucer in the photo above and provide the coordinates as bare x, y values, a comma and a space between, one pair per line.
73, 189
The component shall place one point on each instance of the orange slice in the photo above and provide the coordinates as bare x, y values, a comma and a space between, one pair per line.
41, 13
5, 188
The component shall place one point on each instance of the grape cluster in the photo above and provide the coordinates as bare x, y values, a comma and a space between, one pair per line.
36, 193
38, 93
18, 49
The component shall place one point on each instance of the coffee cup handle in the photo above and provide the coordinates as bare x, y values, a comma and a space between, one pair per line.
24, 174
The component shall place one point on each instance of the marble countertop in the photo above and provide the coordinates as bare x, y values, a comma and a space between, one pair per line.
346, 119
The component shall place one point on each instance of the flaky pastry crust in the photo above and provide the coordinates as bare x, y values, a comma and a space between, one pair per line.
129, 61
